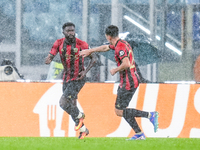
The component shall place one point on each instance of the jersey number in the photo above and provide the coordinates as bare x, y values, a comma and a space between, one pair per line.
131, 57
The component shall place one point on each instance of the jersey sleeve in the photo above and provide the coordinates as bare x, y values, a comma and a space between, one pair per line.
82, 44
121, 52
55, 48
85, 45
112, 47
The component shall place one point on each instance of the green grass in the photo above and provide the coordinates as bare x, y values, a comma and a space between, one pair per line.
66, 143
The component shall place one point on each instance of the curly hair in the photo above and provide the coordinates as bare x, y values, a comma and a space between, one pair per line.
67, 25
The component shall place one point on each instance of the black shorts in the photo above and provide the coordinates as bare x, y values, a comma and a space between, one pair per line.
72, 88
124, 97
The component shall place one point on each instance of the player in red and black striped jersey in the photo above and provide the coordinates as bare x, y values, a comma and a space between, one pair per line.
74, 75
129, 80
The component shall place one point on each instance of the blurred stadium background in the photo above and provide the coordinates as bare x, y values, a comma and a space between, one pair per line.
165, 34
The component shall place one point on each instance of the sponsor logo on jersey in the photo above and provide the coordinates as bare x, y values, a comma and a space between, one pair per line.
121, 53
75, 50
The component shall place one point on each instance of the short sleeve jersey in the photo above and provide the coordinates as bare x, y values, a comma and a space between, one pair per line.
128, 78
72, 62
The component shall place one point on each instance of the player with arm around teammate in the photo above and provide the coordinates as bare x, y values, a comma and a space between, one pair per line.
129, 81
74, 76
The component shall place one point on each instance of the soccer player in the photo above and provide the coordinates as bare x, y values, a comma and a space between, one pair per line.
129, 81
74, 76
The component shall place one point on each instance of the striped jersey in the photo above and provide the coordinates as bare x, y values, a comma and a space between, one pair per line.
129, 78
72, 62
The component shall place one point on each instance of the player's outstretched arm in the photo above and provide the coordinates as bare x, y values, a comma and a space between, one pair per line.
88, 52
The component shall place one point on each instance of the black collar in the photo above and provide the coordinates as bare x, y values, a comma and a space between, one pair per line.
117, 42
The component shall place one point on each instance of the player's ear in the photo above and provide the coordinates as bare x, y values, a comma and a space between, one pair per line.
109, 37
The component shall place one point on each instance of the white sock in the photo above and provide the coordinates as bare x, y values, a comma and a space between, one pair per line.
139, 133
149, 115
82, 129
79, 115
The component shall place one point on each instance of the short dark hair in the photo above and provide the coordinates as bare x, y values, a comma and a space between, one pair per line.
67, 25
112, 30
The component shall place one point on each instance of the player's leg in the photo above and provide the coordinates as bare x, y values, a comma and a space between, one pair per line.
79, 125
66, 105
130, 118
68, 101
77, 116
130, 115
79, 122
123, 98
152, 116
78, 119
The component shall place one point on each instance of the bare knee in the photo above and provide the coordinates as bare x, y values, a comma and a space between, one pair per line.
119, 112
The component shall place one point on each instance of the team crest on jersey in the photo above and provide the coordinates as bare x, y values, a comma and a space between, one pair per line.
75, 50
121, 53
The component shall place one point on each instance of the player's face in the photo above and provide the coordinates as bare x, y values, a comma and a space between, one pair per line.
69, 32
109, 39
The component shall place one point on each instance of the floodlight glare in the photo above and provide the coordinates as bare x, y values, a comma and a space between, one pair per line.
148, 32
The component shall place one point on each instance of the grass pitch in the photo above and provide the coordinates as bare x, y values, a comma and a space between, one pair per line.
89, 143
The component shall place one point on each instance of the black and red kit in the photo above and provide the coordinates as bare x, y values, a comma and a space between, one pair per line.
72, 62
129, 78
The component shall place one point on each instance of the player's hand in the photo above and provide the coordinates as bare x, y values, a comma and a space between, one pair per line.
112, 72
48, 59
81, 75
85, 53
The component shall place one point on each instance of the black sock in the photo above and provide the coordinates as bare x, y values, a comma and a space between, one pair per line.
137, 113
74, 112
130, 114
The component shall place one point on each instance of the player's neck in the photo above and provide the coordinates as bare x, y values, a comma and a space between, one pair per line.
114, 40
